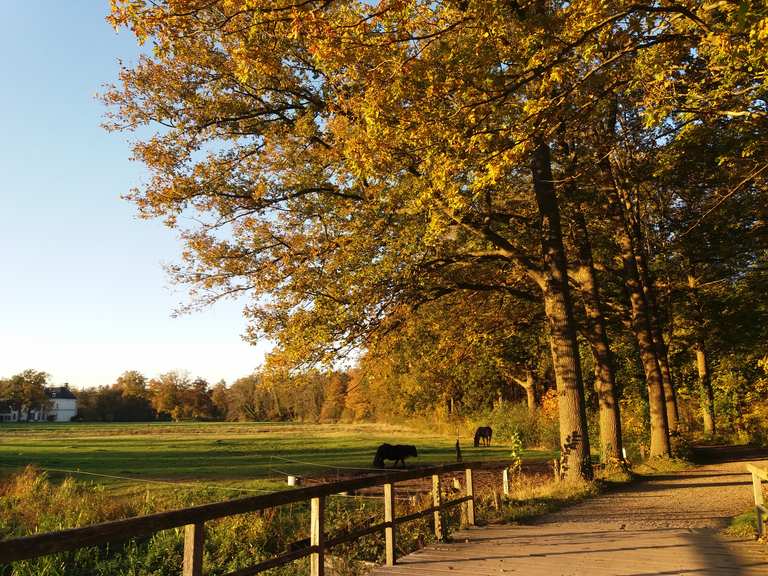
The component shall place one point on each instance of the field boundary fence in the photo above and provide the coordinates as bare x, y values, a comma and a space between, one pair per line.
193, 520
759, 475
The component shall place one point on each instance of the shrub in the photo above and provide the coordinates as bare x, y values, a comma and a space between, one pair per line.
31, 503
514, 422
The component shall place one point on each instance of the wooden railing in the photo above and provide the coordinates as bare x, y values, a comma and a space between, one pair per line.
759, 475
194, 519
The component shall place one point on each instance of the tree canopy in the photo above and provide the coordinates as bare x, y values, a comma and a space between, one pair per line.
365, 171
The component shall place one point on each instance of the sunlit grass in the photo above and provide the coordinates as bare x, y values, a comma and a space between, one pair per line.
743, 526
246, 455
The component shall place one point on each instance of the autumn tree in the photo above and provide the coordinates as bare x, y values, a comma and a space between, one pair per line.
300, 172
334, 396
25, 391
220, 399
167, 393
132, 383
350, 163
358, 404
244, 399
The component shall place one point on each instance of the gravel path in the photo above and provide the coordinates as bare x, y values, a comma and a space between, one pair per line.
704, 497
662, 526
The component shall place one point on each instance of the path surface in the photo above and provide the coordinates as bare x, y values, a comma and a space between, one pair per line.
666, 525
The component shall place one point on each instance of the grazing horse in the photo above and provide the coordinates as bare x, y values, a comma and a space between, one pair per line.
483, 435
398, 453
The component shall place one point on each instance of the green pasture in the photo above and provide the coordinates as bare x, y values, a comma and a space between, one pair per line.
242, 455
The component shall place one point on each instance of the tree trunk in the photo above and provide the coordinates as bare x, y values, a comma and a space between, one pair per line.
597, 336
276, 400
641, 327
632, 218
529, 385
530, 392
702, 363
670, 395
558, 306
662, 355
705, 383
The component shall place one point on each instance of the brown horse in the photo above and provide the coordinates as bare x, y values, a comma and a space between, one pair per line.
483, 435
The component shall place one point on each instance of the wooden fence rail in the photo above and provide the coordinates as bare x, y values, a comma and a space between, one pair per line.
759, 475
193, 519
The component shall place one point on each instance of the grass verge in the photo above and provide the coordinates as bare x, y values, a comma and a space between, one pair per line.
743, 526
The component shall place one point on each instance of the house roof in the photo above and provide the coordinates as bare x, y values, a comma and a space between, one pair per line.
60, 392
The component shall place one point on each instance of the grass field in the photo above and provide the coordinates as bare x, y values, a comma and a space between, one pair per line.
205, 462
243, 455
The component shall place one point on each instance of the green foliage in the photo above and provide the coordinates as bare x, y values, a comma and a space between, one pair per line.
31, 499
25, 391
743, 526
516, 452
513, 423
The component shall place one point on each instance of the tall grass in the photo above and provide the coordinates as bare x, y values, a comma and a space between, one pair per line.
31, 503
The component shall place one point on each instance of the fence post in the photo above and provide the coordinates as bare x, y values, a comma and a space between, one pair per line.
389, 529
194, 540
757, 489
317, 536
437, 501
505, 481
471, 494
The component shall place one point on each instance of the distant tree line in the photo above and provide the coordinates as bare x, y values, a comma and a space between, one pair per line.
312, 396
25, 391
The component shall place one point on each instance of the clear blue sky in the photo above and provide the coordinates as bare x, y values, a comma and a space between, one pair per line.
83, 294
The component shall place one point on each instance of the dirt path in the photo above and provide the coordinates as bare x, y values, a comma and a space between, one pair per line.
660, 526
704, 497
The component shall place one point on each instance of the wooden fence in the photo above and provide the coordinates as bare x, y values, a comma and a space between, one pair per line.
194, 518
759, 476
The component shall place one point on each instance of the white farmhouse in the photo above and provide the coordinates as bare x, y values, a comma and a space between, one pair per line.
62, 408
63, 405
7, 412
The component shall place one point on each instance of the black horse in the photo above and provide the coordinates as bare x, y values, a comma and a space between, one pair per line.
483, 435
398, 453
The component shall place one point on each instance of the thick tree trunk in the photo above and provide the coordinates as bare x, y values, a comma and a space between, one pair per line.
670, 395
558, 306
597, 335
705, 384
635, 230
662, 354
641, 327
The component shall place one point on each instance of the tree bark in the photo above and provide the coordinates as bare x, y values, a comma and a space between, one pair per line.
597, 336
662, 354
529, 385
634, 228
702, 362
641, 325
705, 383
558, 306
530, 393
